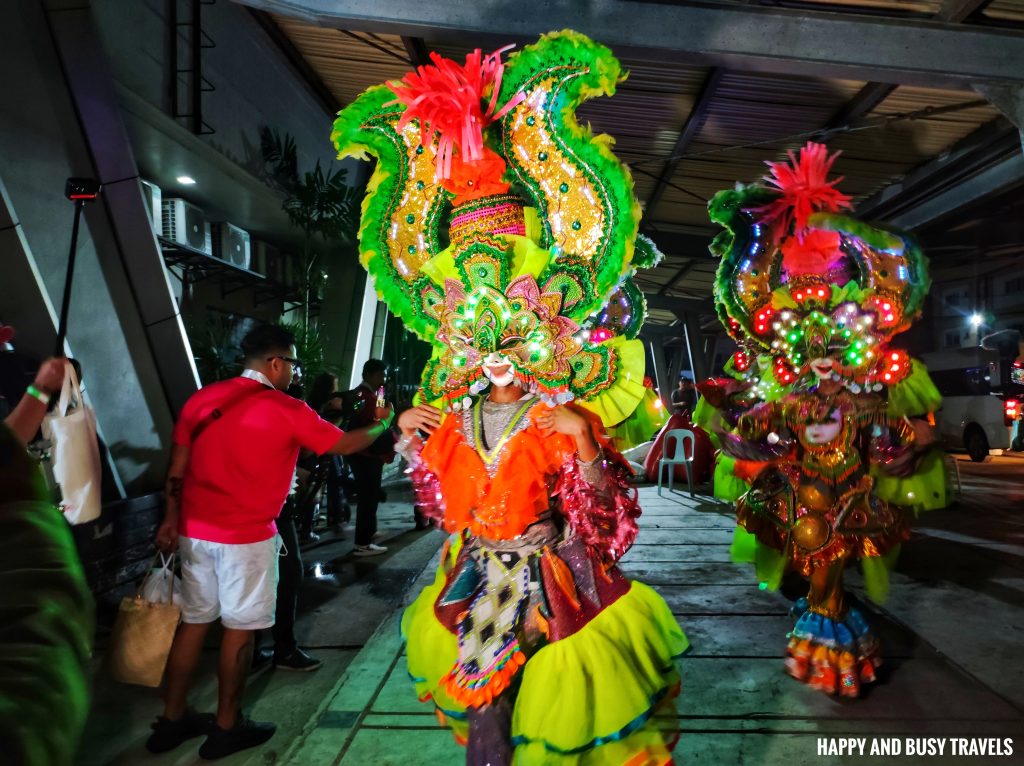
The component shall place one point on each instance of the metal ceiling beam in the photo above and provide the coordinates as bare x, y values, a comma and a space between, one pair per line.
1008, 99
874, 93
687, 132
683, 270
863, 103
417, 50
990, 144
993, 180
960, 10
679, 305
756, 38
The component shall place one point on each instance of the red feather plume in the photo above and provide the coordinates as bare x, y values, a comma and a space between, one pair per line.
804, 189
448, 99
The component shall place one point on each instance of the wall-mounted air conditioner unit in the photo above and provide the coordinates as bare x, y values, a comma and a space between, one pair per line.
153, 198
231, 244
184, 223
267, 261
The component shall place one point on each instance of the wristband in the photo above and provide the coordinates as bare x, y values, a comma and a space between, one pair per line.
37, 394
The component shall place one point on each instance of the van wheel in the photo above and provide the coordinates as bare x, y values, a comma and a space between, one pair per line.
976, 443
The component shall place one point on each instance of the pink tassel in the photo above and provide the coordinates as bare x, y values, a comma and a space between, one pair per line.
428, 492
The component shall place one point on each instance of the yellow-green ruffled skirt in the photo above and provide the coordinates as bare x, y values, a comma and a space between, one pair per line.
590, 699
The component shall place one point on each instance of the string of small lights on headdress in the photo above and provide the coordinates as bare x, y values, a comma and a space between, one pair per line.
817, 292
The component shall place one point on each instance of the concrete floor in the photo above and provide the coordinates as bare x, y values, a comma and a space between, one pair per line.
951, 632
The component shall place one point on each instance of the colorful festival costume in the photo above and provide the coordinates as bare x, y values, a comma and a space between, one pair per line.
531, 643
823, 405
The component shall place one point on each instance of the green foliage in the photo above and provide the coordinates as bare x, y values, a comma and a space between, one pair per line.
214, 348
310, 348
322, 203
280, 160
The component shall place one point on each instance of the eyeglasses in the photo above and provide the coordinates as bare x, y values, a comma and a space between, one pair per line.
293, 362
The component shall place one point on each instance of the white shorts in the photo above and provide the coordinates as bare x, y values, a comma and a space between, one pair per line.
237, 583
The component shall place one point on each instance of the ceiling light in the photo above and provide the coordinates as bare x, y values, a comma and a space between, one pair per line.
186, 180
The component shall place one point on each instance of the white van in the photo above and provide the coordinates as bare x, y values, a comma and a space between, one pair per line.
980, 408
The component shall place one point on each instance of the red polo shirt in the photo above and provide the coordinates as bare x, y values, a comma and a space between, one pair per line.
241, 466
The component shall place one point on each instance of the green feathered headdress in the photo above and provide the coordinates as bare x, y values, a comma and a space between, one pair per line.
495, 224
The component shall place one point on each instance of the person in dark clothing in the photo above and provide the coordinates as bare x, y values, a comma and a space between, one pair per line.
285, 653
326, 400
368, 465
684, 398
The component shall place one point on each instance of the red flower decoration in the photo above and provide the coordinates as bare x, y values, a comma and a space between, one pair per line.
472, 180
814, 253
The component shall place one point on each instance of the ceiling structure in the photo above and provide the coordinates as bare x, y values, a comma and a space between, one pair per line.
923, 97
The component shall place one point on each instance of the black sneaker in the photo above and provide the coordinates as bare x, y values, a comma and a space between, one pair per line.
297, 660
244, 734
168, 734
261, 659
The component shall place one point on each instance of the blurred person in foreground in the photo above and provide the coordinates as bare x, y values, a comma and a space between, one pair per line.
46, 609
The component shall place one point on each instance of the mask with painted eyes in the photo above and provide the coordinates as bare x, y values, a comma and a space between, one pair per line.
516, 336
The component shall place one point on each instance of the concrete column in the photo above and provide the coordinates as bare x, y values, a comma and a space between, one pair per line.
661, 378
121, 336
695, 345
1008, 99
365, 334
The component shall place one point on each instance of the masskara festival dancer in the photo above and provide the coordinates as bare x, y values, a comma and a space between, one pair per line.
813, 298
531, 643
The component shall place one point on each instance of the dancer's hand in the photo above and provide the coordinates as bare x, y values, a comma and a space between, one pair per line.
422, 418
562, 420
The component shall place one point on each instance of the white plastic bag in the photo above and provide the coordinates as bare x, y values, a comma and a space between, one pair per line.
161, 585
76, 455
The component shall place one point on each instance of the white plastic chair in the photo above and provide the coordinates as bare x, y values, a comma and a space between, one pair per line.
677, 437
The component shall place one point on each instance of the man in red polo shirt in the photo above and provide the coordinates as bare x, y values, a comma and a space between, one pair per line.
232, 462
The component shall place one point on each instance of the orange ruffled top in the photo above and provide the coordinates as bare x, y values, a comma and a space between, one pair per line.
502, 506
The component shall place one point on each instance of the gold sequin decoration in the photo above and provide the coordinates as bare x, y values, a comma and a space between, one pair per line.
577, 203
408, 234
753, 285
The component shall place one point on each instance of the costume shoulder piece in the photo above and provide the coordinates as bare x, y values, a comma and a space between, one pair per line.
495, 223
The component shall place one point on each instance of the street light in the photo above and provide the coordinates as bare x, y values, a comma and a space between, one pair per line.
976, 319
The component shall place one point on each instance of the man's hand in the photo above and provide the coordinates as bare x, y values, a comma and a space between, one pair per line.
167, 536
50, 378
384, 414
422, 418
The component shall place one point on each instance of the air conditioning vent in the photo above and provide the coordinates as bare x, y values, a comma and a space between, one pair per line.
153, 198
185, 224
231, 244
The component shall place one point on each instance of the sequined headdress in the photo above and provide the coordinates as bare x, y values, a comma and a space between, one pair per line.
802, 285
494, 222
